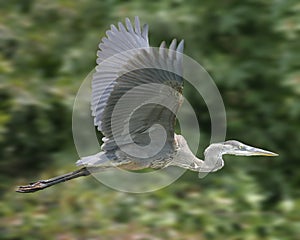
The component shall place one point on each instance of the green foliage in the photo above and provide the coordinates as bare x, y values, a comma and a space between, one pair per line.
83, 209
250, 48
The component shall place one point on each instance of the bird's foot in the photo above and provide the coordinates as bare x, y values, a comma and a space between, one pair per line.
32, 187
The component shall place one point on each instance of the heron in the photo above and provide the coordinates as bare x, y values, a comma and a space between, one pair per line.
175, 151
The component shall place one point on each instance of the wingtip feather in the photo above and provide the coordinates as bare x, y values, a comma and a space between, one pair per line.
180, 46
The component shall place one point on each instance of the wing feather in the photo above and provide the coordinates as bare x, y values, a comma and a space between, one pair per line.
117, 41
148, 79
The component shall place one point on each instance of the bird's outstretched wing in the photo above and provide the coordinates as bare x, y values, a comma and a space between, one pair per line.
143, 94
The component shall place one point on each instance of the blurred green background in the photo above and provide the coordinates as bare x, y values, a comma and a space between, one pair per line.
251, 48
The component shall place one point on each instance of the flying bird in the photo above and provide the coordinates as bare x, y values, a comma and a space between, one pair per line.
136, 93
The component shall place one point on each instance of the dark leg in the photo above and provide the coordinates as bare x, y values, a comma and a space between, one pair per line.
41, 184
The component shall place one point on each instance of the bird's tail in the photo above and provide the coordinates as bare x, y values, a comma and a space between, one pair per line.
41, 184
98, 159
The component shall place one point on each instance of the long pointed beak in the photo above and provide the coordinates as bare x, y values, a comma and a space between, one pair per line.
260, 152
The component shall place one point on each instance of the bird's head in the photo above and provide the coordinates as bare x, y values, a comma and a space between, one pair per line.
234, 147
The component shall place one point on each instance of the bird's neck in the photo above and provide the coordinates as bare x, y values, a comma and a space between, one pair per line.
213, 160
213, 157
186, 159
